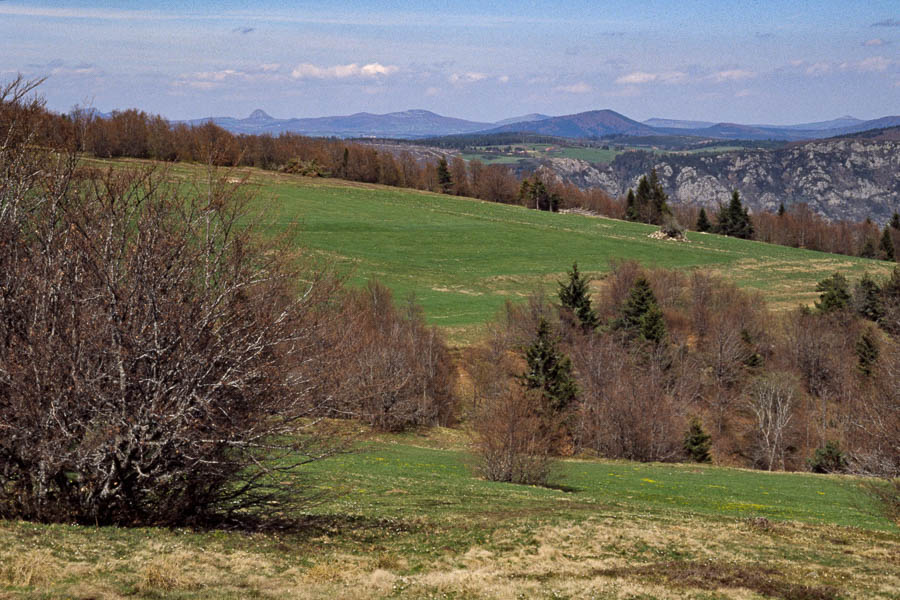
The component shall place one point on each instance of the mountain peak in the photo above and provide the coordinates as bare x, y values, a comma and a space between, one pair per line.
259, 115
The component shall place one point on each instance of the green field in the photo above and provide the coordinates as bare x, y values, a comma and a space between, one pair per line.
407, 519
463, 258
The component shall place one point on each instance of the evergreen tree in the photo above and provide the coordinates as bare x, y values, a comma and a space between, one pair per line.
868, 249
887, 245
703, 223
631, 213
866, 352
781, 209
895, 220
697, 442
734, 219
575, 296
653, 325
445, 180
641, 314
642, 200
549, 371
534, 194
867, 299
834, 294
658, 200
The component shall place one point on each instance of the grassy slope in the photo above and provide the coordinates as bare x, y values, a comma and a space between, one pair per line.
412, 522
462, 258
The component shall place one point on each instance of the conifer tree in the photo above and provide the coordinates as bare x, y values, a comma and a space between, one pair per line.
734, 219
641, 314
834, 294
895, 220
445, 180
549, 371
781, 210
697, 442
868, 249
575, 296
887, 245
703, 224
866, 352
631, 213
867, 299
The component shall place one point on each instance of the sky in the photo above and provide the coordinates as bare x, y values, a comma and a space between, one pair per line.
764, 62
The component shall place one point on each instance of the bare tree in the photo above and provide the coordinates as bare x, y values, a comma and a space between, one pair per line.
771, 402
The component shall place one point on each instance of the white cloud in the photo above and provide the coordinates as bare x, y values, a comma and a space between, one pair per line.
874, 64
639, 77
576, 88
432, 91
874, 42
819, 68
311, 71
636, 78
503, 79
269, 68
469, 77
732, 75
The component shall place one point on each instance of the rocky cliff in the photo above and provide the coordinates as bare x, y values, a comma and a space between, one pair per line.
839, 178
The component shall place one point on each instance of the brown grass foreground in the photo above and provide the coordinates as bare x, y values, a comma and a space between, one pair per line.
603, 556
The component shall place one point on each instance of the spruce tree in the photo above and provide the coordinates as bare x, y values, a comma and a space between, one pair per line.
642, 200
697, 442
658, 197
781, 210
641, 314
734, 219
575, 296
445, 180
703, 224
887, 245
549, 371
895, 220
866, 352
867, 299
834, 294
631, 213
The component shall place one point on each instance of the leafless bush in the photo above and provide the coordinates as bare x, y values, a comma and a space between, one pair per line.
154, 356
513, 443
395, 371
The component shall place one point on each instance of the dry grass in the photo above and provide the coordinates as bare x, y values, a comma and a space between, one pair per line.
34, 568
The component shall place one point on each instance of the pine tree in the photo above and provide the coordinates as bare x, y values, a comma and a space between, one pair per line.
631, 213
575, 296
697, 442
866, 352
703, 224
834, 294
868, 249
445, 180
642, 200
658, 197
641, 314
895, 220
734, 219
887, 245
549, 371
867, 299
781, 210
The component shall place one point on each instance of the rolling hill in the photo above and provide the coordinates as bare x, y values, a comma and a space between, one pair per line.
463, 258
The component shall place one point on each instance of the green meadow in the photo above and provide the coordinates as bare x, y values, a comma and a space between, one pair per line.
463, 258
406, 517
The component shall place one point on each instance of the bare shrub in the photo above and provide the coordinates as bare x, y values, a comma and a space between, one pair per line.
395, 371
154, 354
513, 442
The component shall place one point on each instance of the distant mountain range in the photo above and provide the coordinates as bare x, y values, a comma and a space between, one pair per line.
414, 124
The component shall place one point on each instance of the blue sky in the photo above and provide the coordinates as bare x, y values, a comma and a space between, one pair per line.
750, 61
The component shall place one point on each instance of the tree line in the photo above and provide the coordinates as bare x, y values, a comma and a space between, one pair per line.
665, 365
